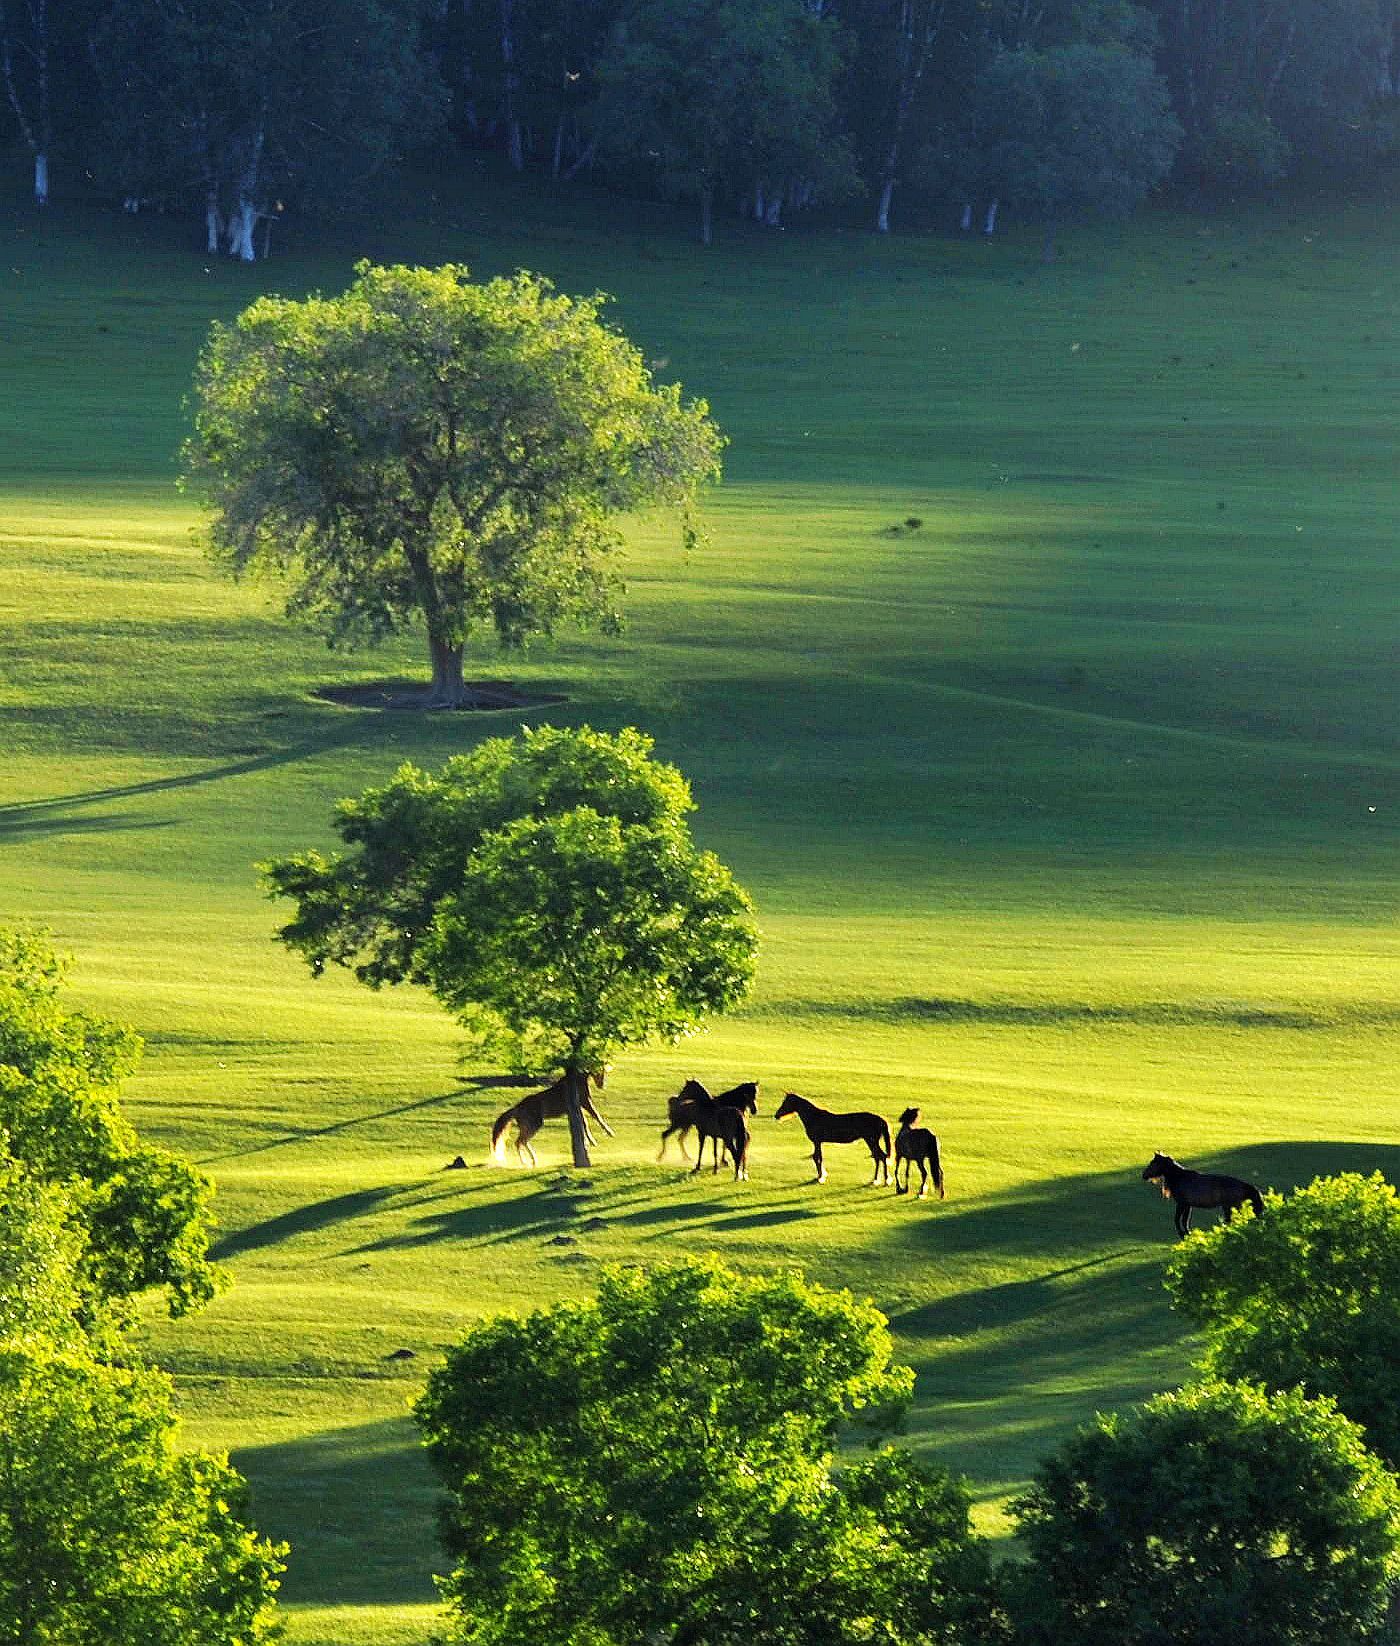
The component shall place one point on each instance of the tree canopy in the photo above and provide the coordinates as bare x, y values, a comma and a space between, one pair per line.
1219, 1512
428, 450
657, 1463
545, 888
1306, 1296
143, 1212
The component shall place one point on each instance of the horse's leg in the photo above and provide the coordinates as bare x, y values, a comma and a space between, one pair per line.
1227, 1208
923, 1178
905, 1189
817, 1157
1183, 1219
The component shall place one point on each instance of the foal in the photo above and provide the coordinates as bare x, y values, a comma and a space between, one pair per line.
1200, 1189
822, 1126
530, 1113
919, 1144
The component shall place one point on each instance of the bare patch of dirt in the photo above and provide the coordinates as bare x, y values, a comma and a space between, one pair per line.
412, 696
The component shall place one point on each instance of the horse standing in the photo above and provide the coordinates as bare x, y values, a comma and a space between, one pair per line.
919, 1145
530, 1113
680, 1111
1192, 1190
822, 1126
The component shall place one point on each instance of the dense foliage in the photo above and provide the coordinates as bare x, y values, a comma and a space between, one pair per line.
110, 1531
657, 1464
1215, 1513
1307, 1296
545, 885
240, 112
143, 1212
425, 449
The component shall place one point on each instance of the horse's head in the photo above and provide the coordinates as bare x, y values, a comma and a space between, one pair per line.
692, 1092
787, 1106
748, 1091
1156, 1167
909, 1117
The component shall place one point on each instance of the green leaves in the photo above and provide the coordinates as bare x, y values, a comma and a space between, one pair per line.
656, 1464
1307, 1295
1217, 1512
546, 885
428, 449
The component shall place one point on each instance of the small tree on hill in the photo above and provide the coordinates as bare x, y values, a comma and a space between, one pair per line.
1216, 1513
1306, 1296
656, 1464
143, 1212
546, 886
423, 449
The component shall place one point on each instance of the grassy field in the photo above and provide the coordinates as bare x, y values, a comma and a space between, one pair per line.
1071, 813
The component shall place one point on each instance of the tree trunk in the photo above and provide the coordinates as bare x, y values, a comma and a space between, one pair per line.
707, 208
213, 223
449, 690
41, 179
576, 1088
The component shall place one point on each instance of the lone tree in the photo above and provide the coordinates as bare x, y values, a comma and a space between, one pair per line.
544, 887
1307, 1296
424, 449
1218, 1512
656, 1464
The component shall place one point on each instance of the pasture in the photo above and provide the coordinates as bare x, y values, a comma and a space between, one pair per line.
1070, 812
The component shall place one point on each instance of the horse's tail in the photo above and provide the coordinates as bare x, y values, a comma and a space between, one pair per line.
884, 1136
1256, 1200
498, 1136
936, 1167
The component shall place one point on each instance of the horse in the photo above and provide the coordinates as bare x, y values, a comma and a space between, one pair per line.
822, 1126
920, 1145
530, 1113
680, 1109
1191, 1190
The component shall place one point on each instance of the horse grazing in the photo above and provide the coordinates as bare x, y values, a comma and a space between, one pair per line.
920, 1145
1191, 1190
680, 1111
530, 1113
822, 1126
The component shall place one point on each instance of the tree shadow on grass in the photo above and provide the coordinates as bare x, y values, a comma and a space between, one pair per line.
336, 1126
356, 1504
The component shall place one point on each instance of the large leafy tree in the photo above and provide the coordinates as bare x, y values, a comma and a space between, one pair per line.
713, 95
1306, 1296
657, 1464
1074, 131
545, 885
109, 1531
247, 107
1216, 1513
143, 1211
427, 450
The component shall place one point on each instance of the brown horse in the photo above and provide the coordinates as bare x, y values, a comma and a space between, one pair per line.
680, 1110
530, 1113
822, 1126
919, 1144
1191, 1190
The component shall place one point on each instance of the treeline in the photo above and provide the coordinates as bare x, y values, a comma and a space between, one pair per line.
245, 109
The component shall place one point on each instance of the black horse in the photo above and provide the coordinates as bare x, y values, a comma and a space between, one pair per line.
530, 1113
681, 1110
1191, 1190
919, 1144
822, 1126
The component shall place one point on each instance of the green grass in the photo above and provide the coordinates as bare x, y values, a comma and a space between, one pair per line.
1071, 815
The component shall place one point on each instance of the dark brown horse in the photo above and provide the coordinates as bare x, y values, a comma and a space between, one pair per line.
822, 1126
1200, 1190
919, 1144
530, 1113
680, 1110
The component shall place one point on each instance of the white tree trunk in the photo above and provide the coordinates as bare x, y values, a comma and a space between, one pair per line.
965, 221
882, 213
989, 225
773, 211
41, 179
241, 224
213, 224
